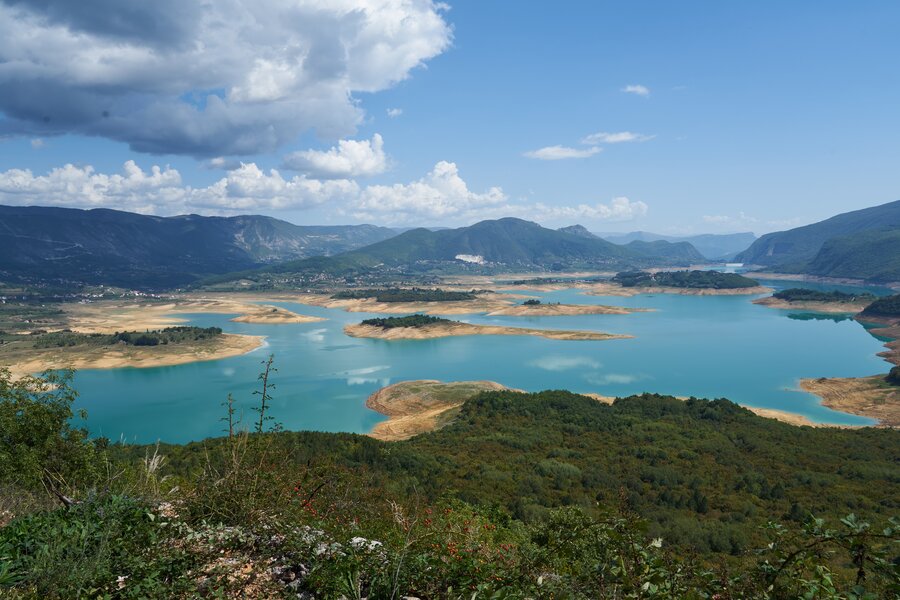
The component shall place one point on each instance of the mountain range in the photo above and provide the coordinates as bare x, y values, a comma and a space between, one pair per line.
103, 246
509, 242
712, 246
862, 244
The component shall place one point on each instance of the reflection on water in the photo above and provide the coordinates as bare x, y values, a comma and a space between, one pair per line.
808, 316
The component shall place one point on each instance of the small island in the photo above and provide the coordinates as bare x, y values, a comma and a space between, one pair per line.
41, 350
419, 327
392, 295
818, 301
700, 280
535, 308
400, 301
686, 283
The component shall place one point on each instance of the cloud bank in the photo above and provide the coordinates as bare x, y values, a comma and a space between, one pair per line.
441, 196
207, 79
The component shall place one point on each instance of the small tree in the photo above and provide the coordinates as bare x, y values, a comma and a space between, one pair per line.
263, 393
229, 416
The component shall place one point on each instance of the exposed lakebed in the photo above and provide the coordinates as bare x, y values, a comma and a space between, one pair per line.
705, 346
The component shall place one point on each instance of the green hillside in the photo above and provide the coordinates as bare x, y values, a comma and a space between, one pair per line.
713, 246
791, 250
681, 253
123, 249
546, 495
505, 243
870, 255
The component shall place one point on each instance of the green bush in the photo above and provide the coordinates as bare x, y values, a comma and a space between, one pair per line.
407, 321
103, 547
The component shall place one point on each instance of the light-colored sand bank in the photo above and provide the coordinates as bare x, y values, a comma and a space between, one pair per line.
816, 279
550, 310
614, 289
415, 407
865, 396
440, 330
109, 317
819, 307
484, 303
22, 361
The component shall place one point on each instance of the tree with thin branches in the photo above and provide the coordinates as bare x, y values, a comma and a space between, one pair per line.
264, 394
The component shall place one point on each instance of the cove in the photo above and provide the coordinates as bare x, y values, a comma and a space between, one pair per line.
704, 346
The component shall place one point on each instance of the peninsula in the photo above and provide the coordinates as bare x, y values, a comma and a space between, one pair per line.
420, 406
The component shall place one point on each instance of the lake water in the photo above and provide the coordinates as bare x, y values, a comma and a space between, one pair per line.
705, 346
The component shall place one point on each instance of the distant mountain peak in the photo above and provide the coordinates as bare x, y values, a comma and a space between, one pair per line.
579, 230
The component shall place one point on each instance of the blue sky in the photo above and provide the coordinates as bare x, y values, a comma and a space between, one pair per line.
748, 116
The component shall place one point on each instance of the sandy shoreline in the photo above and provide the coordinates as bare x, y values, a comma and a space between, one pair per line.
562, 310
819, 307
440, 330
613, 289
484, 303
110, 317
817, 279
117, 356
869, 397
609, 288
415, 407
420, 406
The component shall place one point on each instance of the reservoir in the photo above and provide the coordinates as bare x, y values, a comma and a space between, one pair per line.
704, 346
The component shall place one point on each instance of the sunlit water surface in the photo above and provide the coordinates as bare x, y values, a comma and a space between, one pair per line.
705, 346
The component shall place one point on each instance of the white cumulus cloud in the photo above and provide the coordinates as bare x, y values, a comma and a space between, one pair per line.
603, 137
394, 112
561, 153
161, 191
441, 194
640, 90
224, 78
618, 209
350, 158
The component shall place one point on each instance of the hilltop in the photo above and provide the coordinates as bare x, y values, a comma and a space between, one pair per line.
861, 244
507, 243
111, 247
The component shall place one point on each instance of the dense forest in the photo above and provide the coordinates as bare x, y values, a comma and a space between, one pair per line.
416, 320
807, 295
405, 295
169, 335
548, 495
684, 279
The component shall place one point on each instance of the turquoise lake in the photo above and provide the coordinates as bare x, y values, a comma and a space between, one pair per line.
704, 346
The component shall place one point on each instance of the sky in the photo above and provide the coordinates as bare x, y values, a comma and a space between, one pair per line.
673, 117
